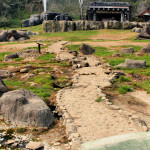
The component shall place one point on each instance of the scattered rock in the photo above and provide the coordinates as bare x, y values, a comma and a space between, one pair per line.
27, 76
24, 108
10, 142
116, 55
11, 56
5, 74
24, 70
129, 50
132, 64
145, 49
32, 33
86, 49
34, 145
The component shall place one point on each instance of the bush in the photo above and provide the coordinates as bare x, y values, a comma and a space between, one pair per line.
124, 89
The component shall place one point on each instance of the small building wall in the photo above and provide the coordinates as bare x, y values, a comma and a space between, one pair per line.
66, 26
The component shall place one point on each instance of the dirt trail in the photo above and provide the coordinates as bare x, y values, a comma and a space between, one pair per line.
16, 47
111, 43
84, 118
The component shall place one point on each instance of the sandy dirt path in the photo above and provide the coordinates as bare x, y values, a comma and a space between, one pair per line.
108, 44
90, 120
16, 47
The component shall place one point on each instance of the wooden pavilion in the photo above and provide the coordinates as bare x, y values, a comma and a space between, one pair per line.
104, 11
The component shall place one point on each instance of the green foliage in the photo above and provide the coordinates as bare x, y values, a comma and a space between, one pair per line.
46, 57
99, 99
123, 79
124, 89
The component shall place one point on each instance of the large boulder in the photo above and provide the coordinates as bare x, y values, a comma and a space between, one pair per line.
137, 30
5, 74
3, 36
132, 64
24, 108
23, 34
25, 23
35, 20
129, 50
145, 49
3, 88
86, 49
145, 33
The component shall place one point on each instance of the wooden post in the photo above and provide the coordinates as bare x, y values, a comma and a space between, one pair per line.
39, 47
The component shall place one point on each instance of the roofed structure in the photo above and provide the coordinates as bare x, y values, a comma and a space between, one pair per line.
101, 11
144, 15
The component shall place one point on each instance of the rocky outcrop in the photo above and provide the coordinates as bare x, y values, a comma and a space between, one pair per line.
24, 108
132, 64
65, 26
13, 35
145, 49
129, 50
3, 88
86, 49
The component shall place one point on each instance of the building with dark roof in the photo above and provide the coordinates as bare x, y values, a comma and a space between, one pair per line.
144, 15
103, 11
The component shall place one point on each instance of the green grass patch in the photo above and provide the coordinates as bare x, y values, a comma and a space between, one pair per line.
13, 84
73, 47
46, 57
145, 85
124, 89
18, 59
99, 99
102, 51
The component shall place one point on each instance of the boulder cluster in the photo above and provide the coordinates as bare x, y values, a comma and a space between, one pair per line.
13, 35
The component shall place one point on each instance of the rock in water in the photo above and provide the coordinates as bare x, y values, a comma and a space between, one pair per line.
24, 108
86, 49
3, 88
145, 49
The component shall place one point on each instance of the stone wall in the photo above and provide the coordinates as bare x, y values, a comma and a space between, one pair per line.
65, 26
